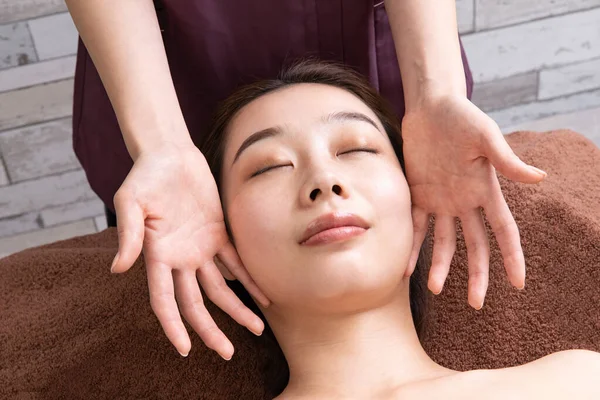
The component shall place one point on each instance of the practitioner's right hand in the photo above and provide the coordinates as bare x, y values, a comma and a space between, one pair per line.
169, 206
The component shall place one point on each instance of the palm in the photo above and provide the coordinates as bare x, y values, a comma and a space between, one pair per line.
451, 150
169, 206
184, 227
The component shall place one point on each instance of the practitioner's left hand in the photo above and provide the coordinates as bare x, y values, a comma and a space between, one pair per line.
452, 150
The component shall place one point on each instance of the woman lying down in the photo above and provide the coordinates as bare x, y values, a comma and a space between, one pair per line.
316, 149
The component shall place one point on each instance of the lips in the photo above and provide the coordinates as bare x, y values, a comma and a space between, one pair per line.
331, 221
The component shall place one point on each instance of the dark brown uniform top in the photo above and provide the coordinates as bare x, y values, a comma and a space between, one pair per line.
213, 46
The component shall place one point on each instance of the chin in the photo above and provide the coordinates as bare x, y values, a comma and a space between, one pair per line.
351, 285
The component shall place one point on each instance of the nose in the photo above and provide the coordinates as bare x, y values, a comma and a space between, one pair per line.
323, 187
336, 189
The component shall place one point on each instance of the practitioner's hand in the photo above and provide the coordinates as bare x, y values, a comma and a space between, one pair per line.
170, 206
452, 150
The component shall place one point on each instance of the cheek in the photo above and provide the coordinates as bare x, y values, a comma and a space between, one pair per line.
253, 220
258, 220
390, 195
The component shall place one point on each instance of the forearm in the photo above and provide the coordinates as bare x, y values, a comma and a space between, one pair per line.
426, 39
125, 43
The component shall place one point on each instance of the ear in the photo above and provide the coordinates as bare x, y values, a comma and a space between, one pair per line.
415, 255
410, 269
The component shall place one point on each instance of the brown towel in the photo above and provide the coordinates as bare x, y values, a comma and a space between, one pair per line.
559, 309
71, 330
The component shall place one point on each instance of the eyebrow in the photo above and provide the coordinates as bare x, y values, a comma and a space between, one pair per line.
345, 116
341, 116
257, 136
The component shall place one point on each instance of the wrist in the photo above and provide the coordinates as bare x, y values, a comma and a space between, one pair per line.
146, 138
166, 147
424, 89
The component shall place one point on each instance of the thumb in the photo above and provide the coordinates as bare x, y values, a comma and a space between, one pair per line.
420, 219
130, 228
502, 157
223, 269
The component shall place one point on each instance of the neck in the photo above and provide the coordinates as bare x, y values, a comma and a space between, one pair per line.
357, 355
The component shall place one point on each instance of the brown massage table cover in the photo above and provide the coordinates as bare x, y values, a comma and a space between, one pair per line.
71, 330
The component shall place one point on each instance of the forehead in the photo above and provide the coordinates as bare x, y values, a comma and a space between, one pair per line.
295, 106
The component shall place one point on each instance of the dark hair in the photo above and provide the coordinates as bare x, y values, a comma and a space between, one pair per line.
327, 73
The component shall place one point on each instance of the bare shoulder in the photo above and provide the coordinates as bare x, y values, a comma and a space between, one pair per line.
567, 374
574, 373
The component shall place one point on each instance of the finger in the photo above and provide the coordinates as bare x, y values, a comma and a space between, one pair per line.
420, 225
130, 228
444, 245
478, 255
194, 310
229, 256
223, 269
162, 301
502, 157
507, 235
220, 294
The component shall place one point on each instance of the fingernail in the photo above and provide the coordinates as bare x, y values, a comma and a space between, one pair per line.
538, 171
114, 262
435, 292
477, 307
183, 355
265, 304
227, 359
257, 333
256, 326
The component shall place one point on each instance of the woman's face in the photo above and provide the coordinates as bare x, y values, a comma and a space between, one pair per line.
302, 160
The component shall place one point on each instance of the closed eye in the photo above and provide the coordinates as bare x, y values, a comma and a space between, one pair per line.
359, 150
269, 168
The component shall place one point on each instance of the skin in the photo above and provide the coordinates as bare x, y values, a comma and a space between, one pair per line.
269, 212
447, 140
452, 150
125, 43
340, 311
